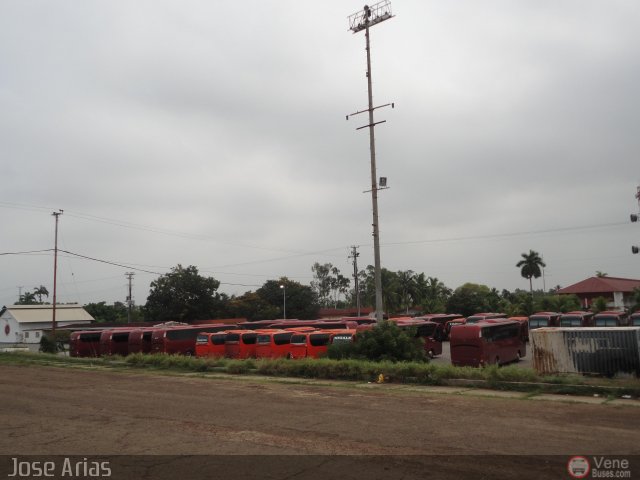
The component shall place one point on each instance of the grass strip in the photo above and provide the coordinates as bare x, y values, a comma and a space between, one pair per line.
508, 377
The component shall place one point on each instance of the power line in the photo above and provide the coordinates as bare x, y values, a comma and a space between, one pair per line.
27, 252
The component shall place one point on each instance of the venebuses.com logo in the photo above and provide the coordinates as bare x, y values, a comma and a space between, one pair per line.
599, 467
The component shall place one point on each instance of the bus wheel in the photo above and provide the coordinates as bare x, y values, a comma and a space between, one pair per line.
431, 354
289, 356
498, 361
518, 357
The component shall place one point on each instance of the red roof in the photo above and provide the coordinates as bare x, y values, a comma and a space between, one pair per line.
602, 285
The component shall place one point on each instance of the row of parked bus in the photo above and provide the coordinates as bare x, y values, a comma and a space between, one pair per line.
311, 340
175, 338
584, 319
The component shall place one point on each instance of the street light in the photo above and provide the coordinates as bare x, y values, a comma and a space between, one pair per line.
284, 301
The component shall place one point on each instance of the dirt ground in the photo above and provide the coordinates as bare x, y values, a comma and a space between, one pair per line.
65, 411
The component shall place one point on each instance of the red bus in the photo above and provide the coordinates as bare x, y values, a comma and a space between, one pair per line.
634, 320
258, 324
273, 344
610, 319
544, 319
115, 341
317, 343
211, 344
182, 340
486, 343
240, 344
576, 319
430, 332
478, 317
449, 324
298, 347
346, 336
358, 320
524, 326
440, 318
84, 343
140, 340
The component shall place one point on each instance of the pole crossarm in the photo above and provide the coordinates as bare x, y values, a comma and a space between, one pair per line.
370, 16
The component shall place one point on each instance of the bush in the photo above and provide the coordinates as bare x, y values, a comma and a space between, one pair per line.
50, 345
386, 341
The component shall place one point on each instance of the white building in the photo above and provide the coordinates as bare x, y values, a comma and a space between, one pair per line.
25, 324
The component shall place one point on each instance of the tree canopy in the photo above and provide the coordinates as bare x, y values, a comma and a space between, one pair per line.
183, 295
531, 266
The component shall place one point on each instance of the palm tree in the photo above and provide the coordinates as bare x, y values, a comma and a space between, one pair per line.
40, 291
530, 267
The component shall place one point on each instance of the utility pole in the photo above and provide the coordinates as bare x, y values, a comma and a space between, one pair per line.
55, 277
359, 21
356, 282
635, 249
129, 276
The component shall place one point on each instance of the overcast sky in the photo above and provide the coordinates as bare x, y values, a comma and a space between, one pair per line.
213, 134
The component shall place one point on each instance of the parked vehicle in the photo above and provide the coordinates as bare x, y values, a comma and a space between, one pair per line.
430, 332
576, 319
240, 344
440, 318
140, 340
182, 340
610, 319
524, 326
487, 343
115, 341
478, 317
211, 344
634, 320
544, 319
273, 344
449, 324
84, 343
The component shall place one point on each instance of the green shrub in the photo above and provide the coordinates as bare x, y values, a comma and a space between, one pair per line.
386, 341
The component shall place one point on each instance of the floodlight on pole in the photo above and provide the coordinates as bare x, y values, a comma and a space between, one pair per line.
363, 20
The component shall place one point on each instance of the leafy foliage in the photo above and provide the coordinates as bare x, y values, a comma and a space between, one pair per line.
530, 266
117, 312
183, 295
469, 298
302, 301
385, 342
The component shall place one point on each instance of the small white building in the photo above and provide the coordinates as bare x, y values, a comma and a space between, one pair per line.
25, 324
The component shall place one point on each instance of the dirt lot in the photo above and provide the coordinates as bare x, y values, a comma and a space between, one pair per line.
65, 411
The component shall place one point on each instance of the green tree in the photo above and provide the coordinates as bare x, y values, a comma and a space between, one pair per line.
252, 307
468, 299
321, 282
384, 342
301, 300
599, 304
530, 266
27, 298
183, 295
406, 294
40, 291
432, 294
600, 274
559, 303
118, 312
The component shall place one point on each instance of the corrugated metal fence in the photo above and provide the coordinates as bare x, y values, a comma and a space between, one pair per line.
603, 351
